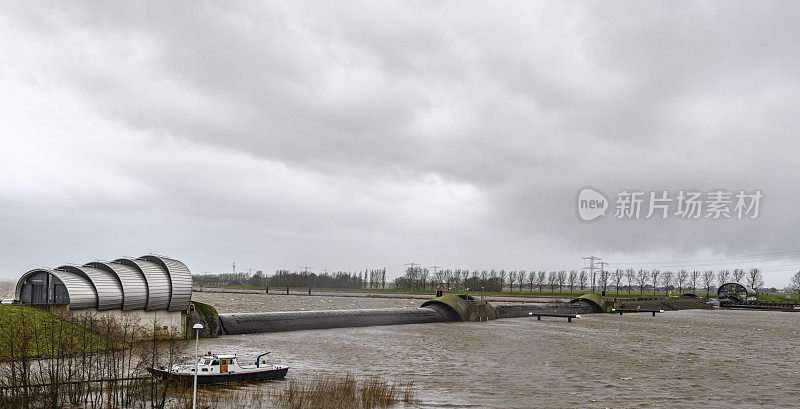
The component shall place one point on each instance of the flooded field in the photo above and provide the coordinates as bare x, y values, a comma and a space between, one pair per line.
677, 359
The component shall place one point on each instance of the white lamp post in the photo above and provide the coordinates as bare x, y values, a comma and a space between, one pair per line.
197, 328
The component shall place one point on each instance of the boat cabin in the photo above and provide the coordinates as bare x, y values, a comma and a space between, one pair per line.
218, 364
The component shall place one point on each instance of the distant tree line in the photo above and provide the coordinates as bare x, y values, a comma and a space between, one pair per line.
367, 279
619, 280
418, 278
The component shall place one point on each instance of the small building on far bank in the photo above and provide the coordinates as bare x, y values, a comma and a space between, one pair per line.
737, 291
156, 289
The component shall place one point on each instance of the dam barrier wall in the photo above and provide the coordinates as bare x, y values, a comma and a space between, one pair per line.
259, 322
447, 308
666, 304
524, 310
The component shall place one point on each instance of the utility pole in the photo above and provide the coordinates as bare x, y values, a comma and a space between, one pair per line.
591, 268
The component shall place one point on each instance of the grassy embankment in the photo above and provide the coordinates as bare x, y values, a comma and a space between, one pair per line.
793, 298
34, 332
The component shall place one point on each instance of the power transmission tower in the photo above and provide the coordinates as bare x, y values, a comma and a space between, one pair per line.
591, 268
412, 264
305, 269
234, 268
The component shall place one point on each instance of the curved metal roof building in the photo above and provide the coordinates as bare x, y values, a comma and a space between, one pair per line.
146, 283
736, 290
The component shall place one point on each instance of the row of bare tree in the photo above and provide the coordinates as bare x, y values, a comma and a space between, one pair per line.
620, 280
86, 361
375, 278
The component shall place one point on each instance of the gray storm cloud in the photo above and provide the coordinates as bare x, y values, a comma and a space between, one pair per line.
355, 135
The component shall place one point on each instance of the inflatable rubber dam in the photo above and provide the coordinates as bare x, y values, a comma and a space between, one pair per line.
447, 308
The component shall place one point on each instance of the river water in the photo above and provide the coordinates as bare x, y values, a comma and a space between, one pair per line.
697, 358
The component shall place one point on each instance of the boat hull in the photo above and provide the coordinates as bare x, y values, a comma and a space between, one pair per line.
220, 379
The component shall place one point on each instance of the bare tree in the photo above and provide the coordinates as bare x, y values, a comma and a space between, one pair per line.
502, 279
531, 279
641, 279
603, 278
573, 277
794, 283
666, 279
618, 275
540, 278
723, 276
561, 278
708, 280
438, 277
682, 276
630, 276
512, 276
582, 278
654, 277
738, 274
694, 276
551, 280
520, 279
755, 278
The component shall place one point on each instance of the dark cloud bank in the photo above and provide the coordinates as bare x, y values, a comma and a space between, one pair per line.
355, 135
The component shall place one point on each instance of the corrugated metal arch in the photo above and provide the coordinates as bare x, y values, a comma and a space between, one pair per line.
108, 286
134, 285
82, 293
159, 289
180, 280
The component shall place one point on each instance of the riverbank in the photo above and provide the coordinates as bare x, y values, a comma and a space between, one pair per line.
32, 332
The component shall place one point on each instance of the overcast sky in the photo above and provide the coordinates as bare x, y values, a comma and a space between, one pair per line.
347, 135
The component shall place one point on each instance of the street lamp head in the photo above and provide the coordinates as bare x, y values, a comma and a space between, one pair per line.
197, 326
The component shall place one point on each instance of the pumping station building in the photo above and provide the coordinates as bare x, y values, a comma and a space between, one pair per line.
154, 288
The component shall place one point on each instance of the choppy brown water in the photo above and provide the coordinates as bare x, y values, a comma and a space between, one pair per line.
677, 359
